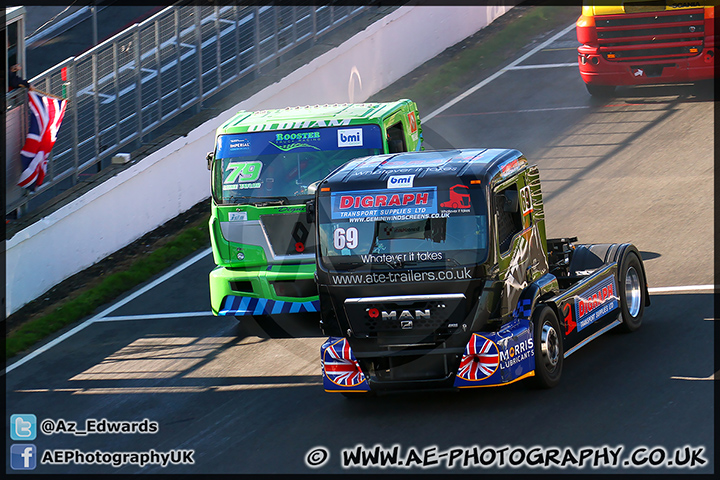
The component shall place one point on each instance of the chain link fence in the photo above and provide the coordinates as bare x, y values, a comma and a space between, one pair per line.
136, 82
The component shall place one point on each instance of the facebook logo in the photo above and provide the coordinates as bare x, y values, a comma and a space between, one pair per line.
22, 456
23, 427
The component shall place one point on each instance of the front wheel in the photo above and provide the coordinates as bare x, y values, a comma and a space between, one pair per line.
631, 283
602, 91
548, 347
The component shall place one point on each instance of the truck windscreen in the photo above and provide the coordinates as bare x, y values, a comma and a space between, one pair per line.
451, 236
263, 166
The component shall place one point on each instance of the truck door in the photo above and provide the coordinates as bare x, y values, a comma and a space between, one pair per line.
512, 230
401, 131
396, 138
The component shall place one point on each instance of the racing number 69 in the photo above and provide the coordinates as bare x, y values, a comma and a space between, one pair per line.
345, 238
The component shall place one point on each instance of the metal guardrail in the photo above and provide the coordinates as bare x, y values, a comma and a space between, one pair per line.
138, 80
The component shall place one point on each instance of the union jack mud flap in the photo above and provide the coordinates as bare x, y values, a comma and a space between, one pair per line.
498, 358
341, 371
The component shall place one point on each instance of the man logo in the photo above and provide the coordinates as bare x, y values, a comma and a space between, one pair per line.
406, 318
350, 137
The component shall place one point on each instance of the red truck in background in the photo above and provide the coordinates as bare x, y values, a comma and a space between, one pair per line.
645, 43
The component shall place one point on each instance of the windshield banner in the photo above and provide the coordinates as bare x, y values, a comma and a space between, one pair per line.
374, 203
308, 140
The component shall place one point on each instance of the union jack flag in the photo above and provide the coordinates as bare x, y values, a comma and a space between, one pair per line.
480, 360
46, 115
340, 366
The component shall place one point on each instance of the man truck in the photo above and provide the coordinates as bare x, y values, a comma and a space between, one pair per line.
434, 271
263, 169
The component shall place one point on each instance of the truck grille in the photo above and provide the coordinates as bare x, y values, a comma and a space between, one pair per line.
289, 234
651, 35
415, 315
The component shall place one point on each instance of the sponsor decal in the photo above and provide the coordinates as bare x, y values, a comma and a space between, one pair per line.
402, 257
516, 353
481, 359
412, 121
400, 181
459, 198
237, 216
463, 273
371, 203
350, 137
339, 364
595, 302
238, 144
570, 324
345, 238
405, 230
242, 172
291, 141
526, 200
298, 124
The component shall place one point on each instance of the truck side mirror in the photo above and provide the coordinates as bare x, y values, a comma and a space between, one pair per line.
511, 201
209, 158
310, 211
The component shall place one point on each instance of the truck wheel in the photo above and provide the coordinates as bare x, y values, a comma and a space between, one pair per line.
548, 347
631, 284
602, 91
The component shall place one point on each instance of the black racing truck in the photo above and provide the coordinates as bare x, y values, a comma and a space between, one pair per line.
434, 271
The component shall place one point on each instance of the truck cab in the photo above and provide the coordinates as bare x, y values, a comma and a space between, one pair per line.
645, 42
434, 271
264, 169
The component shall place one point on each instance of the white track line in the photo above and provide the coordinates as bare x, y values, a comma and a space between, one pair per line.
685, 288
155, 316
547, 65
108, 310
492, 77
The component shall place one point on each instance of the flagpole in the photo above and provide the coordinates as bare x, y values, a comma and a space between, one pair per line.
47, 94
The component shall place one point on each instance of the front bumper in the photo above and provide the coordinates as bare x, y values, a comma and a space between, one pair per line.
596, 70
490, 359
253, 292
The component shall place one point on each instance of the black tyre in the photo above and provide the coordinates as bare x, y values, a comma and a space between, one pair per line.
631, 284
601, 91
549, 350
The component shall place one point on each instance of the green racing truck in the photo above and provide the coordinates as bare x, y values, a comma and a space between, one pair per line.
263, 170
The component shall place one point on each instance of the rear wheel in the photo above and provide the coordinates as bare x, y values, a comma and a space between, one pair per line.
548, 347
631, 283
602, 91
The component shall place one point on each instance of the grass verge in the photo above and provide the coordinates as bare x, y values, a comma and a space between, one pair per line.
112, 286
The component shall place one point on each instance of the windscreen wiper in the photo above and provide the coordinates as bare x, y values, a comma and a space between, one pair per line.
260, 201
352, 265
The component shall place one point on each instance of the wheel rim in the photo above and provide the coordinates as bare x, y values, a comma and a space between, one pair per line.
633, 295
550, 346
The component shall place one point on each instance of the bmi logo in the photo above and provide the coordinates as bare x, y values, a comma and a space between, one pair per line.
350, 137
400, 181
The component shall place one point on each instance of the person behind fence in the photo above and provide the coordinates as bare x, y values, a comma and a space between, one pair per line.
15, 80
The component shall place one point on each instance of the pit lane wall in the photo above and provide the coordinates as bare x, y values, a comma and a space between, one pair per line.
171, 180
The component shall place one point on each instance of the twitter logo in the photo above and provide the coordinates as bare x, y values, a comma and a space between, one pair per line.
23, 426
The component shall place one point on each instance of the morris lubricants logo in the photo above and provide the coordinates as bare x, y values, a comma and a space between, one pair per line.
291, 141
